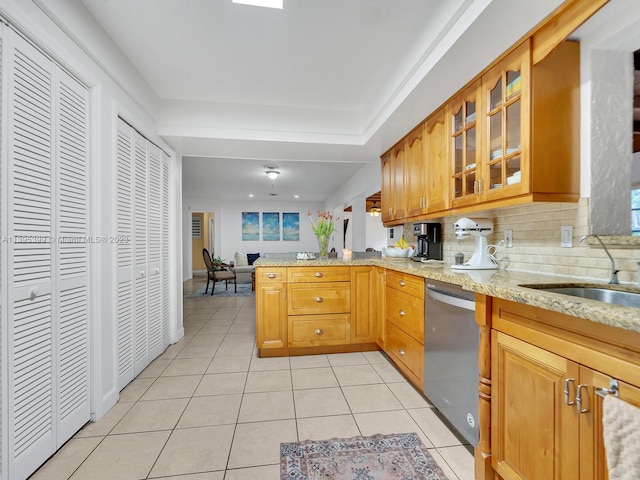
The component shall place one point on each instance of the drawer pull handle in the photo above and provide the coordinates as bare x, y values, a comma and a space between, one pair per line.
319, 331
401, 352
401, 283
567, 392
318, 274
319, 299
579, 399
401, 313
271, 275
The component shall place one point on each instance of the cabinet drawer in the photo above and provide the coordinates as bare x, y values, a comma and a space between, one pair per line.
406, 283
405, 350
311, 330
316, 298
318, 274
270, 274
406, 312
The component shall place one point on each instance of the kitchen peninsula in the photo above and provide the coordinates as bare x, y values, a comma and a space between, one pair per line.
529, 339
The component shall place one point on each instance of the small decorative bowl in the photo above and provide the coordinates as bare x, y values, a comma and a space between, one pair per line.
396, 252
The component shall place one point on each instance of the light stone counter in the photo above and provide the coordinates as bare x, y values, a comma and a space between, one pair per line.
502, 284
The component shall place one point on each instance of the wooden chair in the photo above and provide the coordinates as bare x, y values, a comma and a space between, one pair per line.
217, 272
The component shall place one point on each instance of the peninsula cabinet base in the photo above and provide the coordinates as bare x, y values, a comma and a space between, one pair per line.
319, 350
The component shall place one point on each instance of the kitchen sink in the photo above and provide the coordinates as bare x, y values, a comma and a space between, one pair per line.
607, 295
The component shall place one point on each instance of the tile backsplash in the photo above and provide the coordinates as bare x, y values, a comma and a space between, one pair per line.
536, 242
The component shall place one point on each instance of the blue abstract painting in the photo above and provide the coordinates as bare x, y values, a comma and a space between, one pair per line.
270, 226
291, 226
250, 226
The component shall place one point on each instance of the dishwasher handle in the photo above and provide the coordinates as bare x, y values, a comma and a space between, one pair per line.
451, 300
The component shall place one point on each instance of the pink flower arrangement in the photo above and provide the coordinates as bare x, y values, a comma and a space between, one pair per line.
324, 225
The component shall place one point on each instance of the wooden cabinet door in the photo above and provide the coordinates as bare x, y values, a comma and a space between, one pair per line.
399, 163
378, 304
464, 154
271, 308
387, 190
414, 173
364, 303
534, 430
436, 163
593, 464
507, 127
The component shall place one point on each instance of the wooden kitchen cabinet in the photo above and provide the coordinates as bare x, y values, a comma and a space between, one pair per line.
538, 430
366, 292
463, 121
318, 305
436, 164
392, 187
415, 173
271, 307
404, 324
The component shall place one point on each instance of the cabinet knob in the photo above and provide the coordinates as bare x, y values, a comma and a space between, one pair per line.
319, 299
401, 352
271, 275
401, 283
318, 331
33, 293
401, 313
318, 274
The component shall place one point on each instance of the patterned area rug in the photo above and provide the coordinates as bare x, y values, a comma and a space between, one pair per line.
379, 457
244, 290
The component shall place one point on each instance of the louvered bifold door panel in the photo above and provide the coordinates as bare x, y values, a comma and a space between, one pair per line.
155, 251
30, 330
166, 327
73, 257
140, 252
124, 252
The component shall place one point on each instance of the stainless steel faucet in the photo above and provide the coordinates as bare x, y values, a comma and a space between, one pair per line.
614, 272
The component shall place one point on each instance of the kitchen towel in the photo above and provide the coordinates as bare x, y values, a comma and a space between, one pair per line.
621, 430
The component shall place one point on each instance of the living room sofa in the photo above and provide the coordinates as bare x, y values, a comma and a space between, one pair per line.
243, 265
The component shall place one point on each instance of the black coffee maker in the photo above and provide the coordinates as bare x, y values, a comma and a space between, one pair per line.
429, 246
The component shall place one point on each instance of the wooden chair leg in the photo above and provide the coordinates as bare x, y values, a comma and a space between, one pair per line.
207, 287
214, 285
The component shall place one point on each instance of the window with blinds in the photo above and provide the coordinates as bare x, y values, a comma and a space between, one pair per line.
196, 226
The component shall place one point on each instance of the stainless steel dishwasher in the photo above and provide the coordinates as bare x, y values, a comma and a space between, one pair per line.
451, 339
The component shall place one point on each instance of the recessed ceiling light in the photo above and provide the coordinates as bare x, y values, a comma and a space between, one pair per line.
296, 196
261, 3
251, 195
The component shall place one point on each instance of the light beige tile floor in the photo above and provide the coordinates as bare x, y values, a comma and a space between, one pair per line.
209, 409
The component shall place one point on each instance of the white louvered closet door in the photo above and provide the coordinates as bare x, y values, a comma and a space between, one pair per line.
124, 252
72, 253
166, 327
140, 254
47, 332
31, 330
156, 344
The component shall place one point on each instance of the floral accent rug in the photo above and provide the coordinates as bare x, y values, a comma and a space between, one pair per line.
379, 457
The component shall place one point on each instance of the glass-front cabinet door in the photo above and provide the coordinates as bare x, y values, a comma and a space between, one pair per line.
463, 113
505, 93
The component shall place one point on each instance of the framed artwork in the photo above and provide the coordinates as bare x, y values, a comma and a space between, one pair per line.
250, 226
291, 226
270, 226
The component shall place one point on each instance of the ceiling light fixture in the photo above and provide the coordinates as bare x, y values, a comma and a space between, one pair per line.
279, 4
271, 172
374, 211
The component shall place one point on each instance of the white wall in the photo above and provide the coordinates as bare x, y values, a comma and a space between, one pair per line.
228, 217
109, 98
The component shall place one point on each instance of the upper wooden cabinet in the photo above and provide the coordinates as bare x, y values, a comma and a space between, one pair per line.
511, 136
414, 173
436, 165
464, 139
524, 144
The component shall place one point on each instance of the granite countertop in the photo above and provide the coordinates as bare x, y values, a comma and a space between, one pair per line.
504, 284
